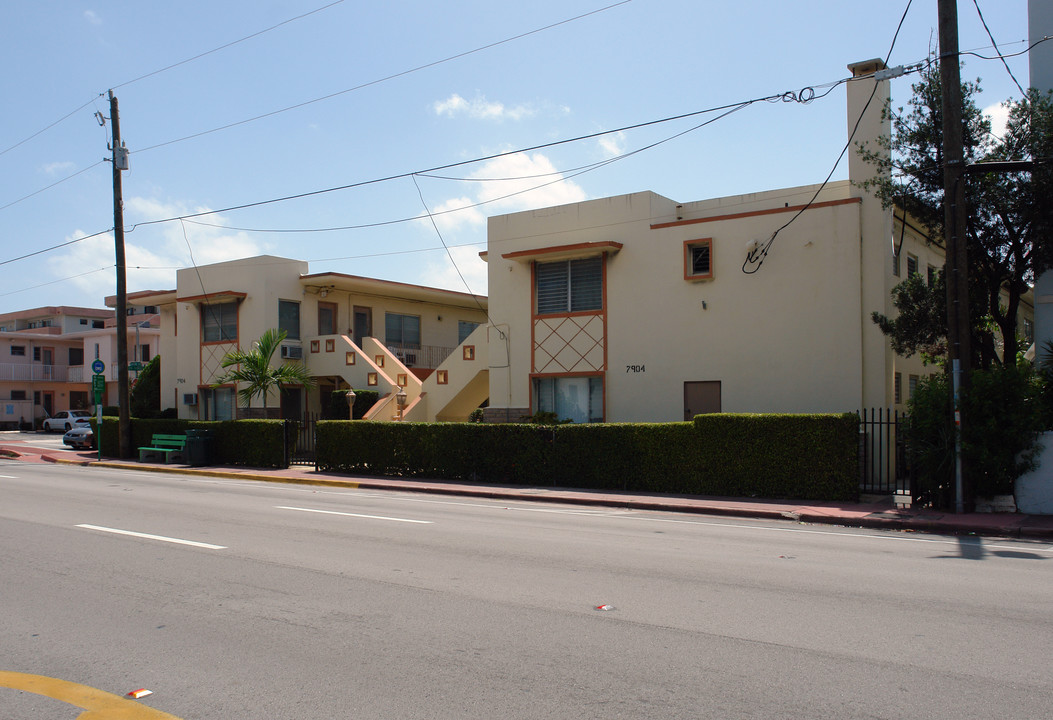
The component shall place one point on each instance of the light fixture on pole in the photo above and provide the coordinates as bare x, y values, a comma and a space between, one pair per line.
350, 404
400, 399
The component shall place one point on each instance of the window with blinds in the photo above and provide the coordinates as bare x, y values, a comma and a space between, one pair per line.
219, 323
569, 285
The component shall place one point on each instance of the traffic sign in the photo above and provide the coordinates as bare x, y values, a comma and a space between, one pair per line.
135, 366
98, 367
98, 387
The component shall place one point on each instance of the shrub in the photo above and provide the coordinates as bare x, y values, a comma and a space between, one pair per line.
811, 456
1003, 412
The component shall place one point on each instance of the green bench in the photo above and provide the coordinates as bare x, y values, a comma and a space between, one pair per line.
170, 447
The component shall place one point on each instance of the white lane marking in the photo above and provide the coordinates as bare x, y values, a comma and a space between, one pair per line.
634, 514
346, 514
9, 477
147, 536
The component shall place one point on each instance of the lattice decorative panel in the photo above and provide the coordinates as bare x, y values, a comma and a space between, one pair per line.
211, 357
569, 344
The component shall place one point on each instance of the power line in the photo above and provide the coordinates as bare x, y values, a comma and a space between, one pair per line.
55, 247
58, 182
227, 45
169, 67
55, 282
386, 78
725, 109
486, 158
755, 258
995, 44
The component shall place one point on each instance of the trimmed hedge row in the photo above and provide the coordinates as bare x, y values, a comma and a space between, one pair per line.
252, 443
778, 456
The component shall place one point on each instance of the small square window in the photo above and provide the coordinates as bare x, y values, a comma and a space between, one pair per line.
442, 377
349, 358
912, 265
18, 350
315, 346
330, 345
402, 380
469, 352
698, 259
379, 360
371, 379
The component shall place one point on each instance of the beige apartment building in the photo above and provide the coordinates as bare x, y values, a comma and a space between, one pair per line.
641, 308
350, 332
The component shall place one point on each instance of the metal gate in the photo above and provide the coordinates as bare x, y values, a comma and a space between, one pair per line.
300, 440
883, 461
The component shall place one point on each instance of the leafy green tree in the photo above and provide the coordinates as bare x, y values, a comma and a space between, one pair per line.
999, 444
253, 369
145, 399
921, 324
1007, 212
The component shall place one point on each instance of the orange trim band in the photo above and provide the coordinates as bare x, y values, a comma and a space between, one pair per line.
597, 246
755, 213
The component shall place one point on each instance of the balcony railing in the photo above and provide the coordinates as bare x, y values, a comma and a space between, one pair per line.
33, 372
420, 356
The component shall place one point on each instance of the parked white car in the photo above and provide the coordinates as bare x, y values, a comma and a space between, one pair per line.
66, 420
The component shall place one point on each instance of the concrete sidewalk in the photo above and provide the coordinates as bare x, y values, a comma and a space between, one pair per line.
870, 515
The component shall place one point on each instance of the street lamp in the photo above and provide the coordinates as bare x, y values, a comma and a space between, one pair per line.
350, 404
400, 399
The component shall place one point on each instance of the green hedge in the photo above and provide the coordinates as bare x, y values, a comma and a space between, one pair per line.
778, 456
252, 443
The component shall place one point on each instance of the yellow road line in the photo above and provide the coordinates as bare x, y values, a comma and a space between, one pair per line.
98, 705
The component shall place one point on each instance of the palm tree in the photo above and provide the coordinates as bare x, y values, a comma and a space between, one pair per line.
252, 368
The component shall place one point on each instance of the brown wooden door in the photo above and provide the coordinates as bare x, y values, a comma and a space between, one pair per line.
701, 398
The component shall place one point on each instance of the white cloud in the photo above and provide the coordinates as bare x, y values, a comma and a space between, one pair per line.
520, 181
57, 167
153, 253
480, 108
999, 115
612, 145
512, 183
449, 215
92, 17
442, 273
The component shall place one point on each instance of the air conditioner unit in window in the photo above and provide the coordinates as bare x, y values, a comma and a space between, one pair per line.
292, 352
190, 398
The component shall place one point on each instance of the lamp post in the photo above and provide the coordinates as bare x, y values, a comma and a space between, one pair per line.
350, 404
400, 399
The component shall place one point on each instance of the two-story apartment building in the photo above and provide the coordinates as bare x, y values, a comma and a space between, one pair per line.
642, 308
350, 332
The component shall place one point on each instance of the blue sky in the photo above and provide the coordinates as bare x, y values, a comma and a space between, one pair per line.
386, 90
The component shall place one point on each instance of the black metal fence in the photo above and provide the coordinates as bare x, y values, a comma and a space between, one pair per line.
300, 440
883, 462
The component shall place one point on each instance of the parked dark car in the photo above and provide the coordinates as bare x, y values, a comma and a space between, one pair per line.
80, 437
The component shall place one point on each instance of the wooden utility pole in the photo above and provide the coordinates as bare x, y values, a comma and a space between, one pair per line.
120, 163
956, 273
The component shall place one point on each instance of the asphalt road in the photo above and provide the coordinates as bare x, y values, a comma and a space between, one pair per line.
256, 600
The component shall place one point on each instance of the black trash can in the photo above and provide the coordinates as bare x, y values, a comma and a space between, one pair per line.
199, 447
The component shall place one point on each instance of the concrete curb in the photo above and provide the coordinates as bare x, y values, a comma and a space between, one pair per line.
1021, 526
